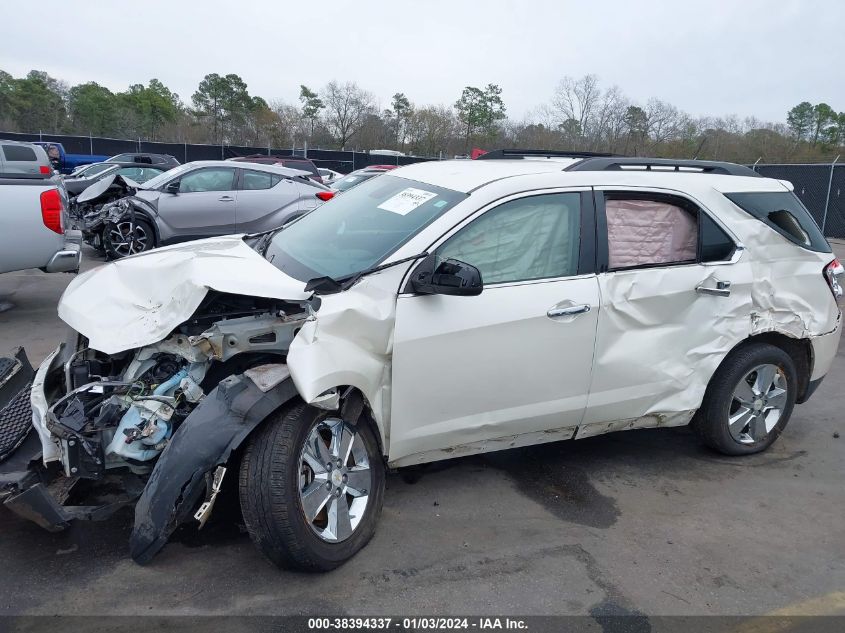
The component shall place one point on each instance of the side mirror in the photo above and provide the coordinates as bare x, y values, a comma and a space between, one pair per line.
451, 277
172, 187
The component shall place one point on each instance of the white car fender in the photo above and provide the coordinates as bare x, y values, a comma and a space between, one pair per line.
350, 343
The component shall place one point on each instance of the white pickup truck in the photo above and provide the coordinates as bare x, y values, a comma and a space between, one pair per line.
33, 225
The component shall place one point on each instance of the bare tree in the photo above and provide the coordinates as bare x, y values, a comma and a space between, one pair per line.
347, 106
575, 102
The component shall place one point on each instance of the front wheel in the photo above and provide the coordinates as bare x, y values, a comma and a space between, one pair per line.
311, 488
748, 401
127, 237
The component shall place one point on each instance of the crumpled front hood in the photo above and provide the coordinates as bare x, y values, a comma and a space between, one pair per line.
139, 300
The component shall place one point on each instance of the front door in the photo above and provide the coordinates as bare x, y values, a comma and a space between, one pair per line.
512, 365
203, 207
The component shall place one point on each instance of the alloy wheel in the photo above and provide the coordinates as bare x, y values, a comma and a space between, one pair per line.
757, 404
127, 239
334, 480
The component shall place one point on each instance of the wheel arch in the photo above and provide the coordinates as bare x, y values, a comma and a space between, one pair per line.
800, 350
147, 215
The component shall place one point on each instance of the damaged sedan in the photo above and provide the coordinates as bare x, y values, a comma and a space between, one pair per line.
444, 309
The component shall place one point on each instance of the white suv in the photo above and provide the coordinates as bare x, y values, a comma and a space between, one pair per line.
444, 309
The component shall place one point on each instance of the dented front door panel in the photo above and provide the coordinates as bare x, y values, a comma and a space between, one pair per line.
512, 361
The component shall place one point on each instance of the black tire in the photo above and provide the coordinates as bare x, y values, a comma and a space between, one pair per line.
269, 493
98, 242
711, 420
118, 250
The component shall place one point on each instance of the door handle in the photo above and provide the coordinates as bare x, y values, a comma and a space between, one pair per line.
722, 289
226, 199
568, 311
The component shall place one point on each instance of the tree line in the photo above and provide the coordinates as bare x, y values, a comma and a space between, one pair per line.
581, 114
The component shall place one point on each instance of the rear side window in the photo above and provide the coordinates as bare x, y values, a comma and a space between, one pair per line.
302, 165
651, 230
783, 212
254, 180
19, 152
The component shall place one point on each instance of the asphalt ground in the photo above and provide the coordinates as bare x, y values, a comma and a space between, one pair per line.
640, 523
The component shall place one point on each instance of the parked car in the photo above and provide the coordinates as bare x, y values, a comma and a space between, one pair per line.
145, 158
329, 175
33, 225
358, 176
291, 162
65, 162
140, 173
195, 200
442, 310
17, 157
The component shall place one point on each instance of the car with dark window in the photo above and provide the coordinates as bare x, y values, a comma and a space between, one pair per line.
144, 157
17, 157
291, 162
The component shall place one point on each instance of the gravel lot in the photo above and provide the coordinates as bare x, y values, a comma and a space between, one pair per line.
643, 522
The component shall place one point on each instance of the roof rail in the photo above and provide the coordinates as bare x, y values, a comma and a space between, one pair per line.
539, 153
662, 165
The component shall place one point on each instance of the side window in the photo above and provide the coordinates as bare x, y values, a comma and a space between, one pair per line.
19, 152
211, 179
650, 231
714, 243
259, 180
530, 238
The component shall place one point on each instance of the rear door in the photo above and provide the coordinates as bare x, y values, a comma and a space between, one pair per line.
674, 299
204, 206
265, 201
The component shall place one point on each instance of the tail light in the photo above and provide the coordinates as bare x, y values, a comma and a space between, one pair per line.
325, 195
45, 170
832, 274
52, 210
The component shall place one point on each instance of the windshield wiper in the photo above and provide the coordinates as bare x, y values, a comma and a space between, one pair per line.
266, 237
328, 285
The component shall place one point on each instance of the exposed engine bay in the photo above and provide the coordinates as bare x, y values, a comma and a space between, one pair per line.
122, 410
114, 414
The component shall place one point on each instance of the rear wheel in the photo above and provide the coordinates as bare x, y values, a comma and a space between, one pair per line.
311, 488
127, 237
749, 400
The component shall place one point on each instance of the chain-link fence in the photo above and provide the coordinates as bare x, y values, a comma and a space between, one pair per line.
821, 187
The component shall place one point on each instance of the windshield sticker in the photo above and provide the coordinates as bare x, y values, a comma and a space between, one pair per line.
350, 179
407, 200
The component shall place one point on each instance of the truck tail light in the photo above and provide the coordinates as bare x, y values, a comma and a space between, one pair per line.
833, 275
325, 195
45, 170
52, 210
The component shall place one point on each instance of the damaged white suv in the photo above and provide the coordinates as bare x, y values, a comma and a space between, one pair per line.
444, 309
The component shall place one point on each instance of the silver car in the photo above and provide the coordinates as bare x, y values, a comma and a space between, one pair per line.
203, 199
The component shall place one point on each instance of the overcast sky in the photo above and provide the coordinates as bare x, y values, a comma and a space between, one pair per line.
712, 57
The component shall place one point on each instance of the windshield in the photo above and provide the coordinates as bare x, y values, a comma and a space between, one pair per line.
93, 170
155, 183
359, 229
